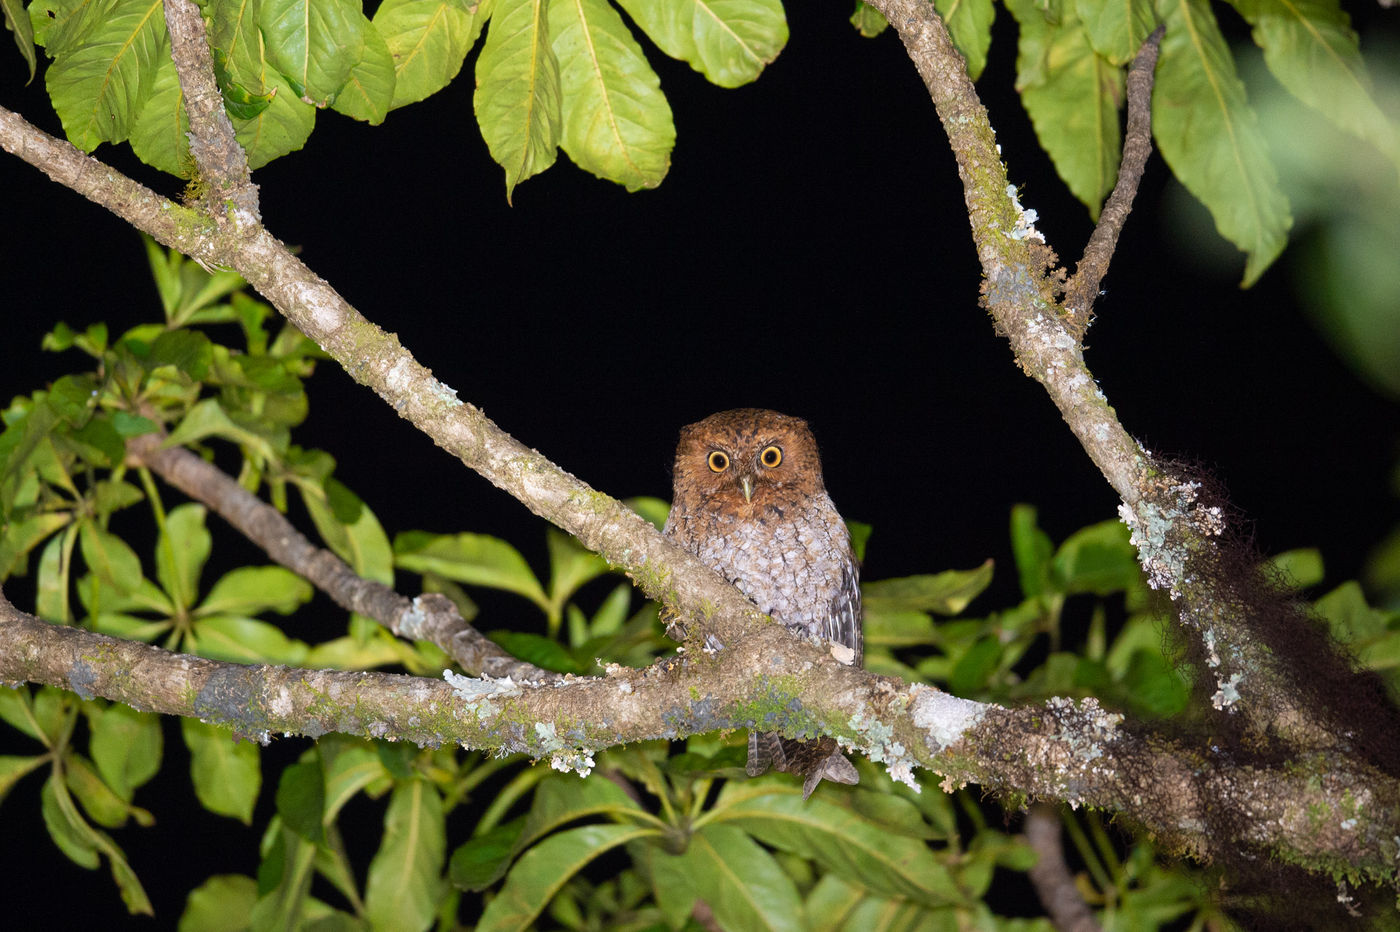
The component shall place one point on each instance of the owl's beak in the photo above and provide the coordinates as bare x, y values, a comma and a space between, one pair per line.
746, 483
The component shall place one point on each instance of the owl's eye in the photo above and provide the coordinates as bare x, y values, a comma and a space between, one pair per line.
718, 460
771, 456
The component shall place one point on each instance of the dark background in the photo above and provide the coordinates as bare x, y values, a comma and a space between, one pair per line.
808, 252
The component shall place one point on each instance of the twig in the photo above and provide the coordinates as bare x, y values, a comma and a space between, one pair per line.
1083, 288
222, 163
1050, 876
431, 617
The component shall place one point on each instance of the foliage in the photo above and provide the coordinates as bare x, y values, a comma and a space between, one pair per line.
661, 829
571, 74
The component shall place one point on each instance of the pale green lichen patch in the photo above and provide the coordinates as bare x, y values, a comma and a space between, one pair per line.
942, 716
476, 693
876, 740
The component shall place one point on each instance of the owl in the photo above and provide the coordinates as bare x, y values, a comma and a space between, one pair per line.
748, 500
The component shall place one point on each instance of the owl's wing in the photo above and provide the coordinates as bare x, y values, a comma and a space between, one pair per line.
843, 619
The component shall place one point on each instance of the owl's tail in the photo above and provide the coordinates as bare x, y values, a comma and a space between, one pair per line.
815, 761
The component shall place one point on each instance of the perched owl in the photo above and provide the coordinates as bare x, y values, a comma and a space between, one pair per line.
749, 501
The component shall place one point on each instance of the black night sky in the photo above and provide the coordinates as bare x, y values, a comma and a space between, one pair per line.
808, 252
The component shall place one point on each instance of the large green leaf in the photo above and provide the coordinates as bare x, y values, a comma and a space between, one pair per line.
969, 24
541, 871
843, 841
315, 44
946, 593
1310, 47
405, 877
17, 22
1210, 136
1072, 95
159, 135
741, 881
245, 640
369, 89
517, 99
617, 123
126, 746
1116, 28
264, 132
350, 529
477, 559
110, 558
429, 40
220, 904
100, 84
250, 590
181, 551
728, 41
226, 773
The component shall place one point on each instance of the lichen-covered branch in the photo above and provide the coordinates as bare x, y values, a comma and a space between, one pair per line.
430, 617
1347, 818
1177, 530
221, 161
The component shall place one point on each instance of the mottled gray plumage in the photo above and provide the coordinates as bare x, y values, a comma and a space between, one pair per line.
749, 501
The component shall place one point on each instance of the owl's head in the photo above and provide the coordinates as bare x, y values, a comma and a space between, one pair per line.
748, 457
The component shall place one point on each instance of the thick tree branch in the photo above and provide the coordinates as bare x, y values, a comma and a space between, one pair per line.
1176, 532
430, 617
1347, 818
222, 163
1083, 288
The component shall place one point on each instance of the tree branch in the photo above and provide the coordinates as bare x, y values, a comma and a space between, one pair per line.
222, 163
1054, 884
1177, 533
431, 617
1083, 288
1346, 818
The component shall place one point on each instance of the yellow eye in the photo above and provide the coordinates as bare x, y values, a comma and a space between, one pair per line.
771, 456
718, 461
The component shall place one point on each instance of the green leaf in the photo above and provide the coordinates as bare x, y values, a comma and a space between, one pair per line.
476, 559
227, 773
563, 799
969, 23
1300, 568
1310, 47
1116, 28
1072, 95
483, 859
17, 21
617, 123
974, 668
868, 21
1097, 559
350, 529
831, 901
844, 842
517, 99
187, 351
571, 565
15, 704
13, 768
100, 84
728, 41
301, 800
99, 800
405, 877
66, 827
315, 44
741, 882
1210, 136
249, 590
209, 419
350, 765
1030, 546
126, 746
245, 640
220, 904
181, 551
429, 40
369, 90
545, 868
946, 593
537, 649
